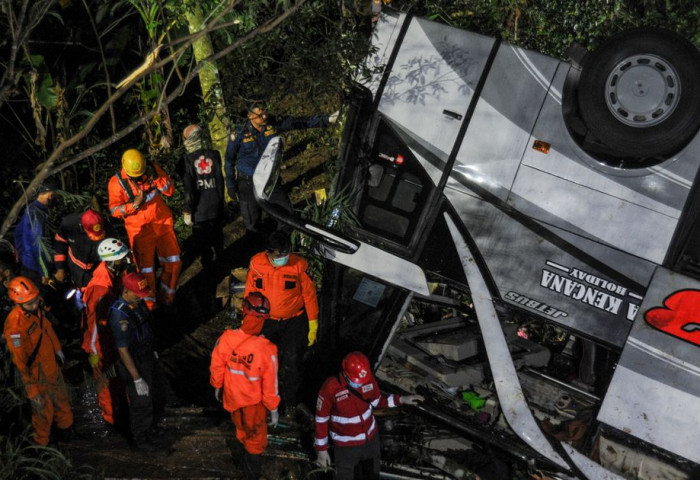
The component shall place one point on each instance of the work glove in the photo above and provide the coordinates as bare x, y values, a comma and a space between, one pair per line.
313, 331
333, 117
217, 394
60, 358
141, 387
60, 275
187, 217
274, 418
411, 399
323, 459
94, 360
36, 403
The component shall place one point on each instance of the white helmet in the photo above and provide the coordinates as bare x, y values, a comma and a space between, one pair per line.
111, 249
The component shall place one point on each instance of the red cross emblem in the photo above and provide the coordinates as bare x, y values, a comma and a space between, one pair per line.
203, 165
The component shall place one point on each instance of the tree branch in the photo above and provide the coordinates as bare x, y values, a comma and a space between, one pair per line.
49, 167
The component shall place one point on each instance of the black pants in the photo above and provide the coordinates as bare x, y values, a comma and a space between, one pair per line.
208, 237
291, 338
144, 409
360, 462
250, 210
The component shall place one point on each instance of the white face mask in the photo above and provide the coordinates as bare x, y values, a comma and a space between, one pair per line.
281, 261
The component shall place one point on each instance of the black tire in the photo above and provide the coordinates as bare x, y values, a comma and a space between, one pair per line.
639, 94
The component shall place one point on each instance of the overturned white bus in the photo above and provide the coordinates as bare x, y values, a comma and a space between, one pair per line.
501, 193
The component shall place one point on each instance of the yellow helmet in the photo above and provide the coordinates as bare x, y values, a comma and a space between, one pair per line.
133, 163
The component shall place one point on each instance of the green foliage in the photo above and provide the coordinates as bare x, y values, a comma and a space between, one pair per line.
21, 460
550, 26
336, 214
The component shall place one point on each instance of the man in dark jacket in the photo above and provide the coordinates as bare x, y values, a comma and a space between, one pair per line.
204, 196
245, 148
33, 237
138, 366
76, 243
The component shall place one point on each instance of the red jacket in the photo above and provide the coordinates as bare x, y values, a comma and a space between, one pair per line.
99, 295
246, 367
289, 288
22, 332
348, 417
153, 212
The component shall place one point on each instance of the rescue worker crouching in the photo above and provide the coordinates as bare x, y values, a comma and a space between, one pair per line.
244, 365
38, 357
293, 324
98, 341
344, 413
136, 195
138, 366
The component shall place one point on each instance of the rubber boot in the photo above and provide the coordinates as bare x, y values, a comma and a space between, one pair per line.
252, 466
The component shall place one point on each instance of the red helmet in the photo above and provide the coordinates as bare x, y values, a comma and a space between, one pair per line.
356, 368
256, 304
22, 290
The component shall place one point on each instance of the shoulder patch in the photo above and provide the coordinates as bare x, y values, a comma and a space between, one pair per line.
233, 136
124, 325
16, 340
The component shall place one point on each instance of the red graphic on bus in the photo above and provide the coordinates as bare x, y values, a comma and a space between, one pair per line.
680, 316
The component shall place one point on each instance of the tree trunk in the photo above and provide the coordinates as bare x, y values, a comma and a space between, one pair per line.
210, 82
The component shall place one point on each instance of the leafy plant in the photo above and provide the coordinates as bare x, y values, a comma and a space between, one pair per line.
334, 213
22, 460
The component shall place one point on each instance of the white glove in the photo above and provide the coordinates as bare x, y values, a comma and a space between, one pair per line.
141, 387
61, 358
411, 399
274, 418
217, 394
187, 217
323, 459
333, 117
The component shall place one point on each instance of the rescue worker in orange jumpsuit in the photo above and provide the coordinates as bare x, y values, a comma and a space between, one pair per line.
244, 365
136, 195
36, 353
344, 409
293, 324
102, 291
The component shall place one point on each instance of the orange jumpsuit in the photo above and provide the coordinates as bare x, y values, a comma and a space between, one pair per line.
42, 380
150, 227
245, 367
99, 295
289, 288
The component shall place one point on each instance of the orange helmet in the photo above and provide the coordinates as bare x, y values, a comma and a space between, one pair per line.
22, 290
356, 368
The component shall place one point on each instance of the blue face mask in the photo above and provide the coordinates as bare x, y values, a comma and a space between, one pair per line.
353, 384
281, 261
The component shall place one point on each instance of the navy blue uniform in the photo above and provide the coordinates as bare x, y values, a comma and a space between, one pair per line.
244, 150
204, 199
131, 328
33, 243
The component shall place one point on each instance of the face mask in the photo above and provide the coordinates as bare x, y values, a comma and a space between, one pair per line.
281, 261
353, 384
